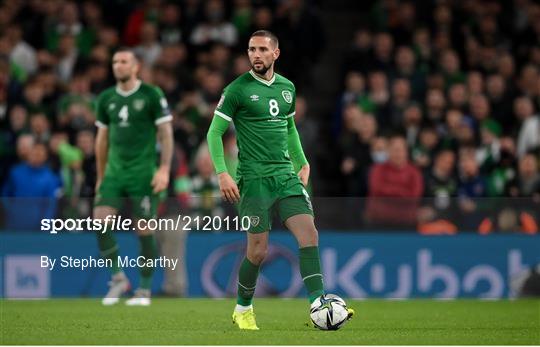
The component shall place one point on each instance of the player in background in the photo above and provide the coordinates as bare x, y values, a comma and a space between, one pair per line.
131, 117
272, 172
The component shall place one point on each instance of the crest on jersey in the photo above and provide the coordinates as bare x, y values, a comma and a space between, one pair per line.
254, 97
221, 100
254, 220
287, 96
138, 104
112, 106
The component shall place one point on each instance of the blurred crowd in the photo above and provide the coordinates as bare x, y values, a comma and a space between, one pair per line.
55, 59
440, 99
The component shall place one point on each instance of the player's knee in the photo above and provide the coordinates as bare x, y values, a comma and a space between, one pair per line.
142, 228
257, 254
309, 238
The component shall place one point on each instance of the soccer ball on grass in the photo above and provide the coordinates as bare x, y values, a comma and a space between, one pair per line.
329, 312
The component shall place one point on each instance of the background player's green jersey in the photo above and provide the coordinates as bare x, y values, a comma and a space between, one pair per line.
259, 110
131, 118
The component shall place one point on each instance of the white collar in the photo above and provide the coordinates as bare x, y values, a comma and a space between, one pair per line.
129, 92
262, 80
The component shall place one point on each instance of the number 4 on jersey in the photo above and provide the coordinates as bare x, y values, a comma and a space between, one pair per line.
123, 114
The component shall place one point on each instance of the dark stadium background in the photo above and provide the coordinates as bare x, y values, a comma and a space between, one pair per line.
460, 80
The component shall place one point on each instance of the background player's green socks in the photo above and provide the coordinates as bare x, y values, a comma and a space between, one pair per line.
247, 280
310, 269
148, 250
109, 249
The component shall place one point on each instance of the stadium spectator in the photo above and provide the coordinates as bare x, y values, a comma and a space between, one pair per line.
66, 23
86, 142
263, 18
299, 28
308, 131
147, 12
527, 182
355, 144
205, 198
424, 150
457, 97
149, 47
170, 29
67, 56
529, 132
394, 188
22, 54
30, 192
405, 62
440, 182
40, 127
215, 27
472, 186
401, 98
412, 123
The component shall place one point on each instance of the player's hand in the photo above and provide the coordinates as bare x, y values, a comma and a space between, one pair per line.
303, 174
229, 189
160, 181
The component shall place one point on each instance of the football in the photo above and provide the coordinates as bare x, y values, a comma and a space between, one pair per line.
329, 312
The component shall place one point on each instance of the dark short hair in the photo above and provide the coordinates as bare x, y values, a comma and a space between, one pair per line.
266, 33
129, 50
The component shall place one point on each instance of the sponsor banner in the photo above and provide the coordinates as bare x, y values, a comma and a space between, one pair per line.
383, 266
354, 265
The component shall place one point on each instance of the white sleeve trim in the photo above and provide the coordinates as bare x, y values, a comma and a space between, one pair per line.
163, 120
101, 124
223, 115
291, 114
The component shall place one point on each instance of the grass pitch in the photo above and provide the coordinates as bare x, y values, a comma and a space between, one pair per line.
206, 321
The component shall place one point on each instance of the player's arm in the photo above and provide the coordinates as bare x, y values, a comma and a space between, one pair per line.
101, 147
226, 108
218, 127
296, 152
160, 180
162, 120
102, 140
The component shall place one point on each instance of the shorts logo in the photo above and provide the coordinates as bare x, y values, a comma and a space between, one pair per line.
287, 96
221, 100
254, 220
138, 104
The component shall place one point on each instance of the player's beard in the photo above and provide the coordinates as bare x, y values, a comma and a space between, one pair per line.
261, 71
123, 79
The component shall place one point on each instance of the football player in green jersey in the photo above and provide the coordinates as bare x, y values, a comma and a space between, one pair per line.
131, 116
272, 172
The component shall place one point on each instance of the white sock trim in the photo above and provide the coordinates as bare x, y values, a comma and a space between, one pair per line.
305, 278
246, 288
240, 308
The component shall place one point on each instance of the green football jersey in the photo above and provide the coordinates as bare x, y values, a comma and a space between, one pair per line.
259, 110
132, 118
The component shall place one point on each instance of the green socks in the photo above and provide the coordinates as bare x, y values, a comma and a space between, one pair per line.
109, 249
310, 269
247, 280
148, 250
